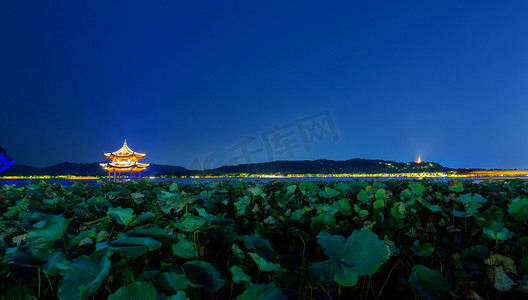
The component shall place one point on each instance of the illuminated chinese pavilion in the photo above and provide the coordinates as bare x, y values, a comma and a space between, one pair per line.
124, 161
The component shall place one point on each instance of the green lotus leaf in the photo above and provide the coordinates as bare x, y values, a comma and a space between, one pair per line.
332, 245
136, 291
239, 276
237, 184
501, 235
491, 219
417, 189
123, 216
173, 187
323, 272
82, 236
147, 275
261, 246
52, 231
192, 223
363, 196
28, 257
131, 247
346, 276
464, 214
203, 274
361, 254
15, 209
471, 201
180, 295
56, 264
324, 218
344, 205
184, 248
85, 276
265, 265
428, 283
426, 249
518, 209
328, 193
172, 282
308, 187
143, 218
297, 214
155, 232
405, 194
455, 185
473, 258
242, 204
380, 195
137, 197
290, 190
398, 210
256, 191
342, 186
262, 292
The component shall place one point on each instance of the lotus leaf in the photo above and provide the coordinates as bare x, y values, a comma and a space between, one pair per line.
262, 292
180, 295
184, 248
143, 218
425, 249
473, 258
52, 231
203, 274
131, 247
361, 254
172, 282
191, 223
518, 209
428, 283
256, 191
328, 193
363, 196
123, 216
15, 209
84, 276
265, 265
136, 291
417, 189
261, 246
239, 276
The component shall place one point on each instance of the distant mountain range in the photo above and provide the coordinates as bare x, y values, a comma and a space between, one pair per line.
325, 166
320, 166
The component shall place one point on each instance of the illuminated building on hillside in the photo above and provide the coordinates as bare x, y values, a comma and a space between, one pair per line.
124, 161
419, 161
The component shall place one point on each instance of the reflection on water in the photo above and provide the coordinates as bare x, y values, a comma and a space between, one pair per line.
23, 182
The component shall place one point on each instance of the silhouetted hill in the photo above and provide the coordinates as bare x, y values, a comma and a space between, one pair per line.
324, 166
87, 169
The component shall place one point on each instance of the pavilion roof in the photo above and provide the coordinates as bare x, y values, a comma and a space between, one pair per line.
125, 151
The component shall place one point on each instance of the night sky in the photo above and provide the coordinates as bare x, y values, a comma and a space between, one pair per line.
197, 83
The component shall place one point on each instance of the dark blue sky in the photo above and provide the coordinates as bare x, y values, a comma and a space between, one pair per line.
187, 80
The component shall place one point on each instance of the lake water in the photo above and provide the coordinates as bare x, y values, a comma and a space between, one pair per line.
23, 182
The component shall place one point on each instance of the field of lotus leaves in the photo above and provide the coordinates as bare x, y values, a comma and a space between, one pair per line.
279, 240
